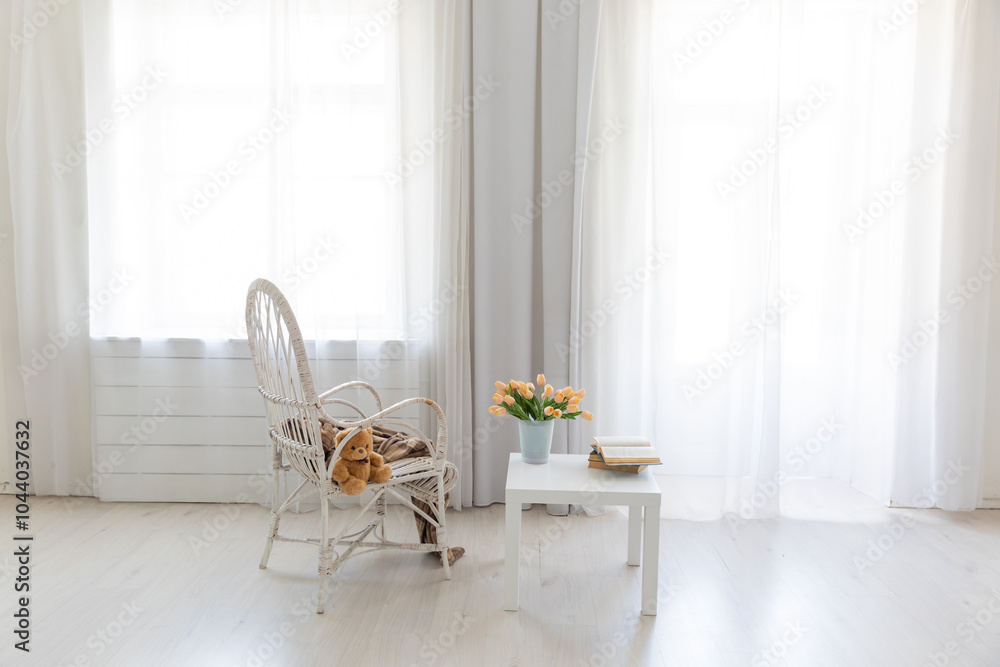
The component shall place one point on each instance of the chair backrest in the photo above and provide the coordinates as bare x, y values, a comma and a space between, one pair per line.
285, 381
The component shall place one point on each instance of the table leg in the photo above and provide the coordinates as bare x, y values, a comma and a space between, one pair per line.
634, 533
650, 559
512, 554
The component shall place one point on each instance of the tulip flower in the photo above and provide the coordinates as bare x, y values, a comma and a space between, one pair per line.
552, 403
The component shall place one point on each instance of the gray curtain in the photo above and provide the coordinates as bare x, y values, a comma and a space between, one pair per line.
527, 196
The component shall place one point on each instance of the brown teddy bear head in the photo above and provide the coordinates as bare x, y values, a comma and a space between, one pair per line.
358, 447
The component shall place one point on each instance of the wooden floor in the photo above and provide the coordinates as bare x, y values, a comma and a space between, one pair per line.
178, 585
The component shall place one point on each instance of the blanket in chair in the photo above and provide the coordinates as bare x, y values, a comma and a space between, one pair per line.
395, 446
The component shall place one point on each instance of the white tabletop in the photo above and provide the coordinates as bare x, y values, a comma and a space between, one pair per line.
566, 478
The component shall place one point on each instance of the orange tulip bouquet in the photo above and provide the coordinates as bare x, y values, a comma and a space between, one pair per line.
523, 401
537, 412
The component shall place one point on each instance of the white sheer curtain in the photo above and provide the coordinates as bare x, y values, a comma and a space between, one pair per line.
319, 144
265, 138
785, 258
43, 242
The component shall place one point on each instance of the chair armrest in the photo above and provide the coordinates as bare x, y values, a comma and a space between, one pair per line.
438, 448
325, 396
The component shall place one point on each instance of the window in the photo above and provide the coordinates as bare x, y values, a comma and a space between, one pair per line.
249, 138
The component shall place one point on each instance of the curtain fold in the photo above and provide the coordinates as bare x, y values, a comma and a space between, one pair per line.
47, 380
450, 337
949, 267
507, 319
11, 389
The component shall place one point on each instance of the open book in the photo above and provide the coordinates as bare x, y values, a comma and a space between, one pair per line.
625, 451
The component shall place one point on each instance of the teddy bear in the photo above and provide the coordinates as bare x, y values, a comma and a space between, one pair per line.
358, 464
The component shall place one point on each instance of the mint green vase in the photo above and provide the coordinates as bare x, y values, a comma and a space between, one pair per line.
536, 440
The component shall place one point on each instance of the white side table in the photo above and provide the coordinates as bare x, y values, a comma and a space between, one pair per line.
567, 479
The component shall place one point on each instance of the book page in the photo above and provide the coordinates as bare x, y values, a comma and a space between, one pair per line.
622, 441
625, 453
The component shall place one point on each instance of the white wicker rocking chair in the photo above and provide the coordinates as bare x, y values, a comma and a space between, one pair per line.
285, 381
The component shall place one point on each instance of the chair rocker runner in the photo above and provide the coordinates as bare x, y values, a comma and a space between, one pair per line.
294, 410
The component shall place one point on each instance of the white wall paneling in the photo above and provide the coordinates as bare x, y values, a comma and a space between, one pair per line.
181, 420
